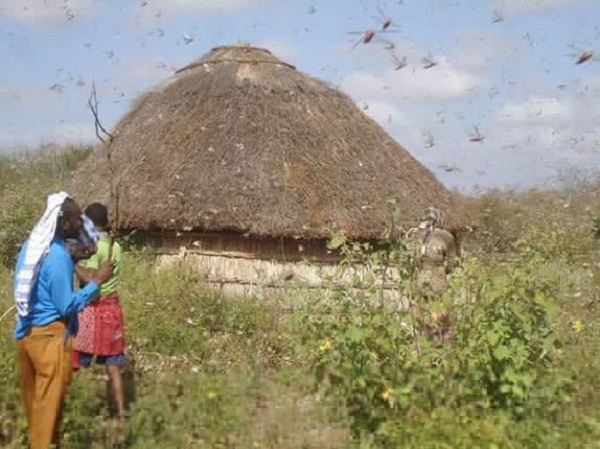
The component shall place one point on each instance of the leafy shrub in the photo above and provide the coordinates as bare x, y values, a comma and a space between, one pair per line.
385, 365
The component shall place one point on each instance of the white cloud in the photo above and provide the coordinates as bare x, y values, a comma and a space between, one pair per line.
590, 87
22, 96
132, 76
527, 138
513, 155
200, 5
527, 6
47, 11
562, 140
405, 128
535, 110
151, 12
439, 83
9, 93
576, 112
376, 56
282, 50
481, 49
141, 72
384, 112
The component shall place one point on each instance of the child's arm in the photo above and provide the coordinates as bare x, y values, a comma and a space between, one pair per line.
84, 275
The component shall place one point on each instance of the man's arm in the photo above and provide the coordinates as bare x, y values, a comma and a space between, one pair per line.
66, 300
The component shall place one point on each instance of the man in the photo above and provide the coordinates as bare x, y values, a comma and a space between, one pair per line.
439, 254
101, 332
47, 314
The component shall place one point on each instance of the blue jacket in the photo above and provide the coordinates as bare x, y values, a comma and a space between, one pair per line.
52, 295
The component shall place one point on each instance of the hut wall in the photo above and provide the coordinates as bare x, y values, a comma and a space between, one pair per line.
265, 267
282, 249
229, 260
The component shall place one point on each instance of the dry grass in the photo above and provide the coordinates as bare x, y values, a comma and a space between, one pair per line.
240, 141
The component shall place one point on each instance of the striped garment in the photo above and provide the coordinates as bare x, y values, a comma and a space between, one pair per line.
37, 247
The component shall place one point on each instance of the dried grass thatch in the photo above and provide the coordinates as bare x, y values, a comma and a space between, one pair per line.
241, 141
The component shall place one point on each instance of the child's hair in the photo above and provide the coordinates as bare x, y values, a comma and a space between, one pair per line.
98, 213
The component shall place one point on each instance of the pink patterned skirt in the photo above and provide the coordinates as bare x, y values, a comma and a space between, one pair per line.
101, 327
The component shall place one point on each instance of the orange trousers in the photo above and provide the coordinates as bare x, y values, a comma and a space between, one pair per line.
45, 372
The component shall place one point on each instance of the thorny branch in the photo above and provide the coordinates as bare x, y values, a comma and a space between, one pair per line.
106, 138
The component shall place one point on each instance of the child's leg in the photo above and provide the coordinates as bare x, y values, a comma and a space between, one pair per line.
113, 369
116, 380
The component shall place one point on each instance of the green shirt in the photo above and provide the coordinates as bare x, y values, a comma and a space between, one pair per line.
100, 256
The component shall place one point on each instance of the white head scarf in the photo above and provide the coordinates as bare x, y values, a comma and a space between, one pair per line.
38, 245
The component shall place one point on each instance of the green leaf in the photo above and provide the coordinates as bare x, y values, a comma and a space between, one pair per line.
492, 337
336, 242
518, 391
355, 334
501, 352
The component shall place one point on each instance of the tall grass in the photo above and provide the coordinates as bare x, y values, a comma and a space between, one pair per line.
26, 179
213, 371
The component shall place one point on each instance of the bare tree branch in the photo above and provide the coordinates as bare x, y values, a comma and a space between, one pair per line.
93, 105
106, 138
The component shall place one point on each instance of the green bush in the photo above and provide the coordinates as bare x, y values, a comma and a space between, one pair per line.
25, 182
385, 365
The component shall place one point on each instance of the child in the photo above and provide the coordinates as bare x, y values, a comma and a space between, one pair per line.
101, 326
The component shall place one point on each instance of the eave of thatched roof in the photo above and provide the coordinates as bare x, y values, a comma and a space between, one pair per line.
240, 141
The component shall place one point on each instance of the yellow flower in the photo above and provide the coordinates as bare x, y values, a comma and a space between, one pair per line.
435, 316
325, 346
577, 326
388, 395
212, 395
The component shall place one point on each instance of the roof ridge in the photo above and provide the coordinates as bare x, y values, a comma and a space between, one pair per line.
243, 61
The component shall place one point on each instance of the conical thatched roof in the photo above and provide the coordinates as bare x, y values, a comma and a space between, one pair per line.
241, 141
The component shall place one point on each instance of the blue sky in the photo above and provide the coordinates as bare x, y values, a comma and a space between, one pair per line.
515, 79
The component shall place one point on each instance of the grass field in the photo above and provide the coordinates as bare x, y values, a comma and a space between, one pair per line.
522, 369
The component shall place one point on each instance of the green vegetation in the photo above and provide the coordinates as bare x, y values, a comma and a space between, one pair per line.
508, 358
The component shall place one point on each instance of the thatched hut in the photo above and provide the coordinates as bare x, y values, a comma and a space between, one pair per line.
245, 165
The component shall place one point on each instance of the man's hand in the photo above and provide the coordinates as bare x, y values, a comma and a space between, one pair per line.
103, 273
80, 252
